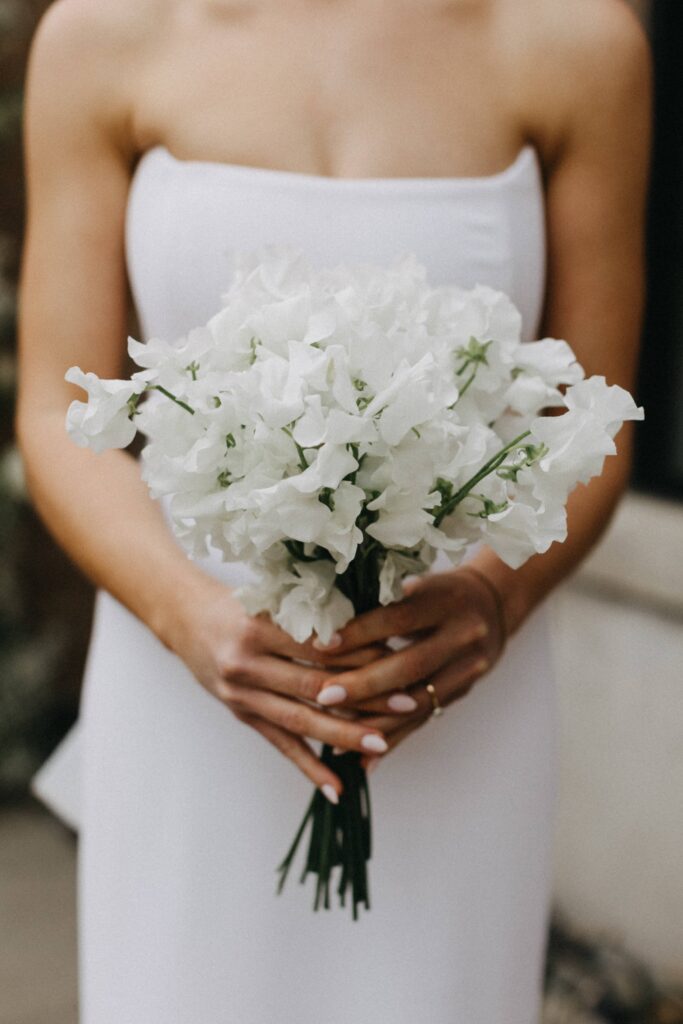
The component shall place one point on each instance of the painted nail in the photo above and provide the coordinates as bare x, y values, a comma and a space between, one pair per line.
330, 792
402, 702
374, 743
332, 695
372, 764
334, 641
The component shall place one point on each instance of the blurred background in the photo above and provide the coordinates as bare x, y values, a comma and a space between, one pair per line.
616, 946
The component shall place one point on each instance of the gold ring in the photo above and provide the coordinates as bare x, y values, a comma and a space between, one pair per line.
436, 707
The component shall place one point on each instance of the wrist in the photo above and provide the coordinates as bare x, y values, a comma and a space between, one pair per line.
516, 596
176, 601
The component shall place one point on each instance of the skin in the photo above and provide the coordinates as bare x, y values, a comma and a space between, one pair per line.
380, 88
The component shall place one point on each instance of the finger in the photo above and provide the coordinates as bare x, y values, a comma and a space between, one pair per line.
299, 752
281, 675
370, 762
265, 635
456, 680
351, 659
456, 640
452, 682
398, 619
403, 668
389, 724
302, 720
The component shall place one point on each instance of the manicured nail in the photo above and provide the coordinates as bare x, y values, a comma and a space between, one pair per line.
402, 702
332, 695
372, 764
330, 792
333, 642
374, 743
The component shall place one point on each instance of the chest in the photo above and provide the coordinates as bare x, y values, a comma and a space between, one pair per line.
330, 91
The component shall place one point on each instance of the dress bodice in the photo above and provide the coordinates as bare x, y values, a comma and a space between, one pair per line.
185, 216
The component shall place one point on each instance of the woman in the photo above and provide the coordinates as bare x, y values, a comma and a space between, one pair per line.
504, 142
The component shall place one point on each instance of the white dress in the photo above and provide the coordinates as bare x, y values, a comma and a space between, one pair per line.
186, 812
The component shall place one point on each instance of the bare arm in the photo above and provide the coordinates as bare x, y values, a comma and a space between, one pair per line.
73, 311
594, 120
73, 301
595, 203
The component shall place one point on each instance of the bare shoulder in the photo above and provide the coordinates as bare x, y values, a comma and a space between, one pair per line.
85, 55
602, 41
584, 65
75, 23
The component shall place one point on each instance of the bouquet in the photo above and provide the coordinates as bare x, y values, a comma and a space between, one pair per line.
335, 429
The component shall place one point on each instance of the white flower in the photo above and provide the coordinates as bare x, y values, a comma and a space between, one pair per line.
307, 600
551, 360
521, 530
105, 421
323, 411
396, 566
610, 405
403, 517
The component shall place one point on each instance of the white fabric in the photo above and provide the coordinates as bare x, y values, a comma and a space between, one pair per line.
186, 811
58, 781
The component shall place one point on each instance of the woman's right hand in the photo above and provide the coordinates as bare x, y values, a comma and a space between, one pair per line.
247, 662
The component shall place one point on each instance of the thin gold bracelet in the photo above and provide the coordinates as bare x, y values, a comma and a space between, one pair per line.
498, 601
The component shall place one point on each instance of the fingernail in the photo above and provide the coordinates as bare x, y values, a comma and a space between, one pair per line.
332, 695
374, 743
333, 642
402, 702
337, 750
372, 764
330, 792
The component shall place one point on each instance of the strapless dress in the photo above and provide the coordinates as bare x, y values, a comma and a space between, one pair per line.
185, 812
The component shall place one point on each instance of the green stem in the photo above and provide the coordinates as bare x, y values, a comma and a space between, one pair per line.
465, 386
183, 405
486, 469
299, 450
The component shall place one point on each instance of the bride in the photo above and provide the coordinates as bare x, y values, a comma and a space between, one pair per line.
504, 142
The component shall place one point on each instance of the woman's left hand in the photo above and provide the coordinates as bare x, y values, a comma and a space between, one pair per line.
454, 622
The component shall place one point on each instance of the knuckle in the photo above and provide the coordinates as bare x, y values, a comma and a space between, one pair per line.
477, 629
403, 617
229, 664
311, 683
252, 631
307, 688
227, 692
236, 704
234, 667
292, 718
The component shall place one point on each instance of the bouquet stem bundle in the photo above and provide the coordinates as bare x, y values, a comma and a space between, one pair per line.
341, 834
